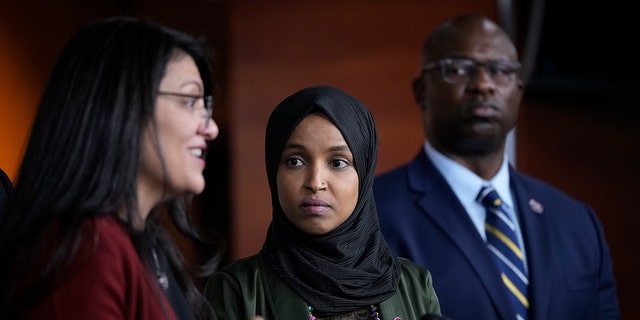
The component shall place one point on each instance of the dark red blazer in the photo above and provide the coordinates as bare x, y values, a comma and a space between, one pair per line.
107, 281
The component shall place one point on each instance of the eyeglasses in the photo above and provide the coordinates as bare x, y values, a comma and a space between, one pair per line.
460, 71
191, 100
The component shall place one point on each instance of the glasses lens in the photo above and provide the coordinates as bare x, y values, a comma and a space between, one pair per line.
460, 71
208, 105
457, 71
502, 72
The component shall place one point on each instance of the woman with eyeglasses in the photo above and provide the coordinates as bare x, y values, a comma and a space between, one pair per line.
119, 139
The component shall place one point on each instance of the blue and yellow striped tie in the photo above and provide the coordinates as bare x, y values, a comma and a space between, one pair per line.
503, 244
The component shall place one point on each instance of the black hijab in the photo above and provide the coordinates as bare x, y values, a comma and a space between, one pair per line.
350, 267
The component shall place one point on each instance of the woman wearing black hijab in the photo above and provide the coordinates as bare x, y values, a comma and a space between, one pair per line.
324, 256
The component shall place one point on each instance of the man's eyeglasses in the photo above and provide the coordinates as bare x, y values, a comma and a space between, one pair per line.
191, 100
460, 71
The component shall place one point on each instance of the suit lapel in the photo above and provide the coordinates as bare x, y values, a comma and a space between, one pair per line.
535, 235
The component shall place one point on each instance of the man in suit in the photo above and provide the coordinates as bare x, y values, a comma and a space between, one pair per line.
469, 92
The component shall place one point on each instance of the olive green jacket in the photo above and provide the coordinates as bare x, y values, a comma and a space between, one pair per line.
247, 288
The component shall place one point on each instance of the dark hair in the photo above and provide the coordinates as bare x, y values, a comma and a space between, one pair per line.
83, 154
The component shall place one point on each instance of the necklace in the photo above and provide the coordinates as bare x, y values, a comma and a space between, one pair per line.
163, 281
374, 313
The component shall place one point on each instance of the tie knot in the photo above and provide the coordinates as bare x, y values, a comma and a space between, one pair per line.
488, 197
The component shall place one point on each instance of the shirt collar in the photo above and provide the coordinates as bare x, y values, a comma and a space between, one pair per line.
465, 183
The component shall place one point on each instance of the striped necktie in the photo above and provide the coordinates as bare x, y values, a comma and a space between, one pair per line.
503, 244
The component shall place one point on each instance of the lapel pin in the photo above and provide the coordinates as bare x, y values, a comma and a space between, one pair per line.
536, 206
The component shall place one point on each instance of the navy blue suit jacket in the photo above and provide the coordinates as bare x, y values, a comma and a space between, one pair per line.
570, 269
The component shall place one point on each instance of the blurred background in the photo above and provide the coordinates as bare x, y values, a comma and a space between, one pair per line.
578, 128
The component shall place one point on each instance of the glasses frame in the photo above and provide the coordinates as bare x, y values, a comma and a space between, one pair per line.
443, 62
207, 99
